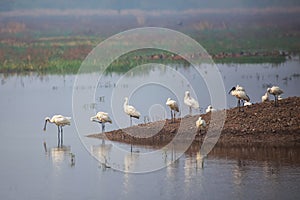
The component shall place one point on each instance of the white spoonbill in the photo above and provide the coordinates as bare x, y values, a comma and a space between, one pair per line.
210, 109
59, 121
200, 124
247, 103
190, 102
131, 111
265, 97
173, 106
102, 118
240, 94
276, 91
239, 88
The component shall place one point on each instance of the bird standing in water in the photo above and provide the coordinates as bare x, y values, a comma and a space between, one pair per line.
102, 118
59, 121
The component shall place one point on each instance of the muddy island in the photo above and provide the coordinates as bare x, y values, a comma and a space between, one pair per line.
259, 124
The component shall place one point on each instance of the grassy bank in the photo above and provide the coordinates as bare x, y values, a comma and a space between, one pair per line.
63, 56
59, 45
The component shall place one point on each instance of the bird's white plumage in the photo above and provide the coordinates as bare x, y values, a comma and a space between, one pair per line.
190, 101
247, 103
102, 117
200, 123
240, 94
265, 97
210, 109
59, 120
172, 104
275, 90
239, 88
130, 110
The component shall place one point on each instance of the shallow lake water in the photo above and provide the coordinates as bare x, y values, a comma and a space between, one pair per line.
34, 167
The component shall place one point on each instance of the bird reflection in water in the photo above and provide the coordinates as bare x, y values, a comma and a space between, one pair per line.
102, 154
60, 154
130, 162
199, 160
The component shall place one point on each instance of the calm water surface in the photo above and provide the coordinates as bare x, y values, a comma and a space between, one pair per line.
33, 167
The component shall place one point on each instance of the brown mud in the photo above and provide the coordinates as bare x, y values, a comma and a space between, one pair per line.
260, 124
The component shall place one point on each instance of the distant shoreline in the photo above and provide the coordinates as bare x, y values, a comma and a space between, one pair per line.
59, 40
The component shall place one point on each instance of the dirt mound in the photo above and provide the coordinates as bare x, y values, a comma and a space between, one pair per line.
260, 123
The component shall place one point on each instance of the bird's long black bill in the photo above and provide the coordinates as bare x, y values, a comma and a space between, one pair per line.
45, 125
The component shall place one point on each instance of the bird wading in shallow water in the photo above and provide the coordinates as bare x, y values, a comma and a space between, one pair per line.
173, 106
275, 91
131, 111
102, 118
240, 94
59, 121
190, 102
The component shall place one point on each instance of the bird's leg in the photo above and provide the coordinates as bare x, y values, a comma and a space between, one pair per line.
171, 116
130, 121
103, 127
58, 136
174, 117
276, 100
131, 144
242, 105
238, 104
61, 135
190, 110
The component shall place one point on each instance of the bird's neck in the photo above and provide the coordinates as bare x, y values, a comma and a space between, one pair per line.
126, 103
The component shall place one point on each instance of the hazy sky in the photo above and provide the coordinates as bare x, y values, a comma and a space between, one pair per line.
6, 5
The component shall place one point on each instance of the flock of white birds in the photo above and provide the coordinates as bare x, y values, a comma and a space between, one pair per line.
103, 117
